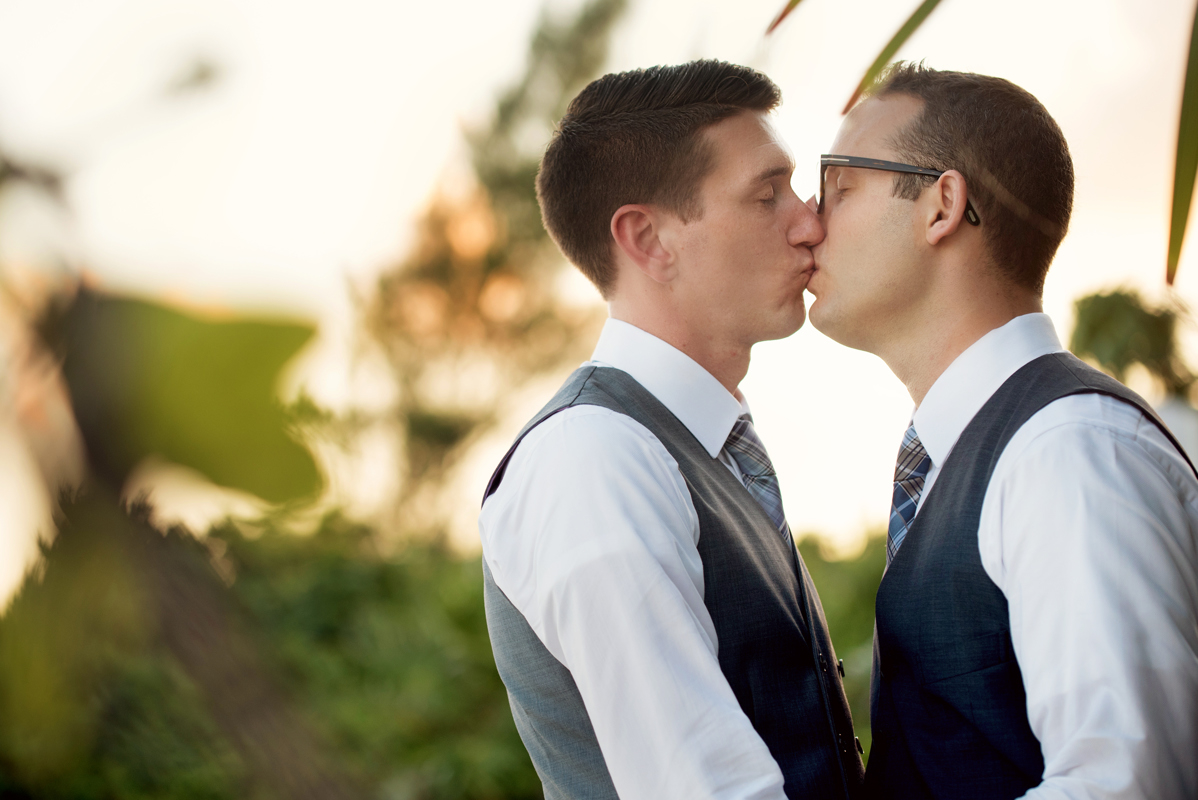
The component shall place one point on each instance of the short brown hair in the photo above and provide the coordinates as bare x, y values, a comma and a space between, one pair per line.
1012, 153
635, 137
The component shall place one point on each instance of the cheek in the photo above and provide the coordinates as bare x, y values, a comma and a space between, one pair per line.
871, 242
862, 264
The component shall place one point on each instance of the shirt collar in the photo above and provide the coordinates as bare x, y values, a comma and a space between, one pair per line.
962, 389
691, 393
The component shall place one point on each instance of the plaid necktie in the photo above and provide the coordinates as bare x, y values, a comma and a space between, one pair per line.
758, 473
909, 473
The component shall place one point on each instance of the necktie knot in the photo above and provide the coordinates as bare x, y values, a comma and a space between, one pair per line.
748, 451
910, 471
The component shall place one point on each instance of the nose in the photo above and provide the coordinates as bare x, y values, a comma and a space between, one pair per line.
806, 229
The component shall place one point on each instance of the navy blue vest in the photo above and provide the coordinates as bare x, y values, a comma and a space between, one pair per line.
949, 713
774, 647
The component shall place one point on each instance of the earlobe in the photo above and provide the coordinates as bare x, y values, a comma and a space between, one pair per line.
948, 209
637, 231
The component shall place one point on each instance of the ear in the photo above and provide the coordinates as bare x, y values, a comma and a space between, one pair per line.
637, 231
947, 212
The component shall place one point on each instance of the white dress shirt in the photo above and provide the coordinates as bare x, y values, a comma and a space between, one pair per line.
592, 536
1090, 528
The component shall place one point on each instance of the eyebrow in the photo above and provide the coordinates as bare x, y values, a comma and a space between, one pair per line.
774, 172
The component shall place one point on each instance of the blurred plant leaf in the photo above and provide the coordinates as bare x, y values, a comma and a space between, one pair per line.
1117, 330
1186, 166
783, 14
149, 380
897, 41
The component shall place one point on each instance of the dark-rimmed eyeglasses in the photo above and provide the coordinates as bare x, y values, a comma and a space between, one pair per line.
826, 160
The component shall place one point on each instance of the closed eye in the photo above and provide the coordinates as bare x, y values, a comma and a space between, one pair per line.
839, 188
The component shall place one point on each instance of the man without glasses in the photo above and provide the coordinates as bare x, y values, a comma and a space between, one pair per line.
656, 630
1037, 625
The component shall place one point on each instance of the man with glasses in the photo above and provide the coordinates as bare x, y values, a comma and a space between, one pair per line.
1037, 625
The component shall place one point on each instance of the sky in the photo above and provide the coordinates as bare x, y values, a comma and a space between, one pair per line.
296, 177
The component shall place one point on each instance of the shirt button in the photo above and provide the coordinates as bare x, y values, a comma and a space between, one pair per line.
840, 666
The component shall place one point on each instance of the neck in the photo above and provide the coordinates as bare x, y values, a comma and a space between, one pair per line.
727, 362
919, 358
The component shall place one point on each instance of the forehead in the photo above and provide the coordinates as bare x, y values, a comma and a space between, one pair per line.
869, 128
744, 145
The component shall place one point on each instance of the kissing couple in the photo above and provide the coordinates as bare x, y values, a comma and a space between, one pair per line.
654, 624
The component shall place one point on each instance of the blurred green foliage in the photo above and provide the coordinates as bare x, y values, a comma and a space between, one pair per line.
91, 704
1117, 329
147, 380
384, 657
126, 668
390, 657
847, 589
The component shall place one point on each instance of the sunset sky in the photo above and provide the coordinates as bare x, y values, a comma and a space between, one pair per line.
297, 176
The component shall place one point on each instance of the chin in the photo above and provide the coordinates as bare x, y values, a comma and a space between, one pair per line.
823, 319
840, 328
787, 328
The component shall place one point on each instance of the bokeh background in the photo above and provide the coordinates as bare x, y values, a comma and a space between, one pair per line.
275, 297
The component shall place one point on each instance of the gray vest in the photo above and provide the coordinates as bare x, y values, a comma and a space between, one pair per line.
774, 647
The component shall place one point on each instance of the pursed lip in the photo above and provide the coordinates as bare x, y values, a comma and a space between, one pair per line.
805, 275
810, 274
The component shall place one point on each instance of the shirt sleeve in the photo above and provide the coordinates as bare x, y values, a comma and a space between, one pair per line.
1089, 529
592, 536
